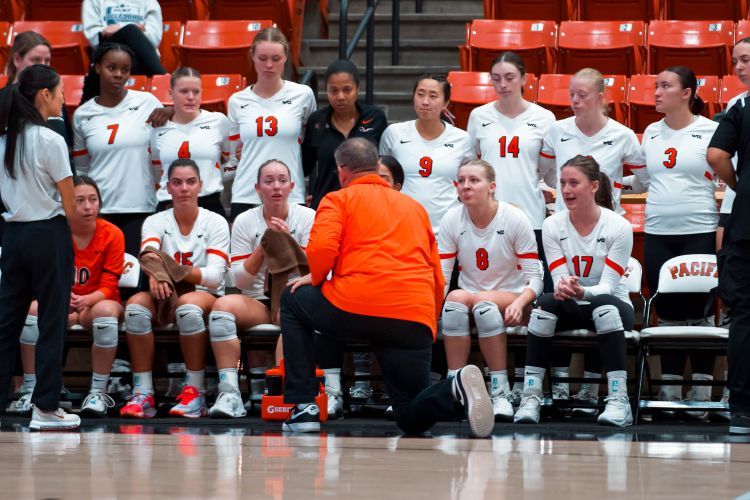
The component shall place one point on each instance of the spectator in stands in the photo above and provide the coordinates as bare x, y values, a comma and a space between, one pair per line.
391, 171
588, 246
429, 148
95, 300
613, 145
112, 140
135, 23
386, 288
268, 120
681, 215
193, 133
250, 308
327, 128
37, 189
494, 244
198, 238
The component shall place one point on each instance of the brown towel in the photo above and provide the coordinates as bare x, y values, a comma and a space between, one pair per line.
166, 271
283, 256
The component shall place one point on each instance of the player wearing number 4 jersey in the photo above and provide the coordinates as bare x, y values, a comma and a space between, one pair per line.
588, 247
429, 149
195, 237
500, 276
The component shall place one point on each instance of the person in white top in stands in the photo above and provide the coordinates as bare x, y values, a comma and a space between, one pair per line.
196, 134
588, 246
268, 120
252, 307
195, 237
500, 276
681, 214
429, 149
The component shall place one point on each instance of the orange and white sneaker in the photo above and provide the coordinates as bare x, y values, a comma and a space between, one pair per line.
190, 403
139, 406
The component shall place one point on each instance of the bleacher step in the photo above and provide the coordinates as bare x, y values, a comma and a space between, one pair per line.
387, 78
411, 25
318, 52
473, 7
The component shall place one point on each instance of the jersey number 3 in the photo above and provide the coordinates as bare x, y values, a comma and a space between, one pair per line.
272, 126
671, 160
587, 261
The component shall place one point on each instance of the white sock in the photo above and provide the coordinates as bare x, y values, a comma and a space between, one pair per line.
99, 382
518, 375
617, 382
143, 383
197, 379
333, 380
672, 391
702, 392
532, 379
561, 371
29, 382
451, 373
230, 377
593, 387
499, 382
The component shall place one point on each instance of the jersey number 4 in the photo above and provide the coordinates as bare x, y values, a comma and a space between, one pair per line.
587, 261
183, 258
483, 259
184, 152
509, 147
425, 166
671, 160
271, 128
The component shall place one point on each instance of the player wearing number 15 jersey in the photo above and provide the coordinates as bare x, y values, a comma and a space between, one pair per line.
429, 149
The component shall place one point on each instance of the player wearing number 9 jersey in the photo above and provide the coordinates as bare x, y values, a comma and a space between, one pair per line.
268, 119
429, 149
500, 276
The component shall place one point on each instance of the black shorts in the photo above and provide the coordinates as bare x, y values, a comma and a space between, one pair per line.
724, 220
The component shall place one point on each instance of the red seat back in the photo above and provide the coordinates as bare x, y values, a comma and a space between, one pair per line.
612, 47
69, 54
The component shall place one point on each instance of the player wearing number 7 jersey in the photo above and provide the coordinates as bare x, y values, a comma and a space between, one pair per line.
429, 148
500, 276
588, 247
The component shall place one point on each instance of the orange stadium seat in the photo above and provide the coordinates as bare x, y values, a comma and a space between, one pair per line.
11, 10
731, 86
219, 46
216, 90
704, 46
59, 10
138, 82
742, 31
3, 81
554, 10
473, 89
615, 10
4, 47
184, 10
612, 47
170, 37
69, 54
73, 85
553, 93
709, 91
532, 40
704, 9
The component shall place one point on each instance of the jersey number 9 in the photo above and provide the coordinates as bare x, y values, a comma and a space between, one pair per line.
425, 166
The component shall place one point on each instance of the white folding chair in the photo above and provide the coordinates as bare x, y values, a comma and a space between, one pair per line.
130, 272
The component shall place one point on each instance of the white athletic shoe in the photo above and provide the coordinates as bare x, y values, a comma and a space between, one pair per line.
97, 404
56, 420
617, 411
560, 391
517, 394
470, 391
502, 406
363, 393
228, 405
529, 410
699, 394
335, 405
22, 405
584, 396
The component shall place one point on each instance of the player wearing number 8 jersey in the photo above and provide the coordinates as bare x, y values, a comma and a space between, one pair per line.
429, 149
500, 276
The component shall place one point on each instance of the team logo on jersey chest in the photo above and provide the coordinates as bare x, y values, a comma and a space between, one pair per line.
134, 108
697, 136
205, 127
501, 231
532, 125
448, 145
607, 143
600, 240
286, 101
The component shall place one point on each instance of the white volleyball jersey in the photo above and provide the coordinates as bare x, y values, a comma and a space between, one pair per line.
598, 259
612, 147
680, 182
430, 167
203, 140
502, 256
730, 194
206, 247
269, 129
247, 232
512, 146
111, 145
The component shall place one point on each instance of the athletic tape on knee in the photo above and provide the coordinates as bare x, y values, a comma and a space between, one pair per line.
607, 319
222, 326
488, 319
190, 319
137, 319
105, 332
542, 323
455, 319
30, 332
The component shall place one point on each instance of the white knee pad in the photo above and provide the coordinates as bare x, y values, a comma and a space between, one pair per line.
222, 326
30, 332
488, 319
105, 332
542, 323
137, 320
607, 319
455, 319
190, 319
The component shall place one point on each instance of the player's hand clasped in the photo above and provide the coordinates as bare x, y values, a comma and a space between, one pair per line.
568, 288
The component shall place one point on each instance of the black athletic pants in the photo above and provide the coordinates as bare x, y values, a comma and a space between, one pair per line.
403, 348
147, 60
36, 263
657, 250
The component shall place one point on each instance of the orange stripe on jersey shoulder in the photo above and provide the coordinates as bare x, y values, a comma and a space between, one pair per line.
221, 254
529, 255
235, 258
448, 255
617, 185
148, 240
545, 155
555, 264
614, 265
632, 167
234, 137
155, 162
708, 176
82, 152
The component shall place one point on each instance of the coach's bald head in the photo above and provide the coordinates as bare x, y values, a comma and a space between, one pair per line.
355, 158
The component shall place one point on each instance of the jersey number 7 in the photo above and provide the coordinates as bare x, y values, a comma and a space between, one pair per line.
112, 132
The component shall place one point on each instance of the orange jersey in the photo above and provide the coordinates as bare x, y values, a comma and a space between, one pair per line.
99, 265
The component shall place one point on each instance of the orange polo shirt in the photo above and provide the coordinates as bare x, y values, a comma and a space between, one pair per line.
380, 246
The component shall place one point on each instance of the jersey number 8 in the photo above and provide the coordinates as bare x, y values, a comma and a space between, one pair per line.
483, 259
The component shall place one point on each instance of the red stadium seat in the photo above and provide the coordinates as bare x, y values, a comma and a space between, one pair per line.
216, 90
553, 93
472, 89
219, 46
704, 46
138, 82
59, 10
532, 40
612, 47
68, 43
73, 88
170, 37
5, 30
731, 86
615, 10
3, 81
11, 10
704, 9
184, 10
553, 10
